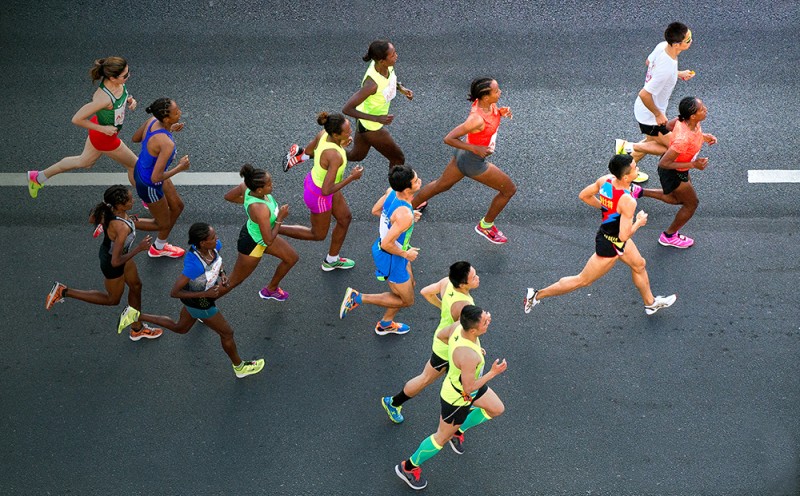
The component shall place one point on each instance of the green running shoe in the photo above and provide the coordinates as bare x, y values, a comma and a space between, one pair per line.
342, 263
128, 316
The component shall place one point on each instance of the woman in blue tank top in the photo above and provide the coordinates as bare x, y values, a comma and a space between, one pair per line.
152, 173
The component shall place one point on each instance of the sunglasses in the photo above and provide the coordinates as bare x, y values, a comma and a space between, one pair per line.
126, 75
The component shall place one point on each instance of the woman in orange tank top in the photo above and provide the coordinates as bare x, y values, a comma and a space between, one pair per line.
470, 158
687, 139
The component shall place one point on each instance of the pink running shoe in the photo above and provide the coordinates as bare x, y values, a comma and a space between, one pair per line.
677, 240
98, 231
636, 191
278, 294
492, 234
168, 251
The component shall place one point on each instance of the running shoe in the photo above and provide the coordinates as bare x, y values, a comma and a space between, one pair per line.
530, 299
348, 303
622, 147
248, 367
422, 206
145, 205
677, 240
659, 303
56, 295
128, 316
33, 184
169, 250
641, 178
146, 332
98, 231
637, 191
342, 263
457, 443
392, 411
492, 234
277, 295
393, 328
294, 157
413, 478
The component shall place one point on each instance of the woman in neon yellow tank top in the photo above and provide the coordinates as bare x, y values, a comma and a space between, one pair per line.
323, 189
370, 105
103, 118
259, 235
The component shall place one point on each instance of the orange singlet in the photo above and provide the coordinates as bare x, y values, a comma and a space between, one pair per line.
488, 135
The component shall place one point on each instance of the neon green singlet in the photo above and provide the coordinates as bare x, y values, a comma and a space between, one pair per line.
114, 116
453, 379
252, 227
450, 296
378, 102
317, 172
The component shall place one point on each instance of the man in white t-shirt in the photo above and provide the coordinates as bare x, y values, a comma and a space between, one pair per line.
651, 104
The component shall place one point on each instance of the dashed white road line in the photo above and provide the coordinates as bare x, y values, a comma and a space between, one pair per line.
773, 176
109, 178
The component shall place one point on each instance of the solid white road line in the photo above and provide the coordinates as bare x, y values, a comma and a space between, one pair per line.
773, 176
109, 178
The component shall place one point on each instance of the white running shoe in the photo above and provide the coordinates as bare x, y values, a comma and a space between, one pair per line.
530, 300
659, 303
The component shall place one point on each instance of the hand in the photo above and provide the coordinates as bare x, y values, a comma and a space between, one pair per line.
177, 127
385, 119
641, 218
348, 142
417, 215
411, 254
212, 292
506, 112
356, 172
701, 163
109, 130
482, 151
408, 93
483, 351
144, 244
710, 139
661, 119
283, 212
183, 164
131, 103
686, 75
499, 367
224, 280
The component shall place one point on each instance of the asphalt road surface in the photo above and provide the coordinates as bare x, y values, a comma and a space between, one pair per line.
702, 398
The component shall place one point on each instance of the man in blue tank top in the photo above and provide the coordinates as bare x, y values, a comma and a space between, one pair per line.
392, 252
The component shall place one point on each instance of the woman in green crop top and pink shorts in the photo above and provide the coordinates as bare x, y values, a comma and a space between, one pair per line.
322, 189
103, 118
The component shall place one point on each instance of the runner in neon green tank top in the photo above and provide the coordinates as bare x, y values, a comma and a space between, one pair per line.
450, 295
322, 190
103, 118
370, 105
259, 234
466, 399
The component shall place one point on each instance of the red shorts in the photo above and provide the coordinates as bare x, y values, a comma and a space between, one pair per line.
103, 142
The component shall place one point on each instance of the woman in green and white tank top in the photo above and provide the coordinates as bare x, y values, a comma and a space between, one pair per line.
322, 189
103, 118
259, 235
370, 105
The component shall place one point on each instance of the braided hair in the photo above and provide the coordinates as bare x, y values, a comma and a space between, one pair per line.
103, 212
479, 87
160, 108
198, 233
254, 178
688, 107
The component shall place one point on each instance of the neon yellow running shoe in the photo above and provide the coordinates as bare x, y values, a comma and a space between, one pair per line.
128, 316
33, 184
248, 367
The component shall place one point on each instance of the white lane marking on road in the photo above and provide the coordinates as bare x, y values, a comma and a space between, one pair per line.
109, 178
773, 176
